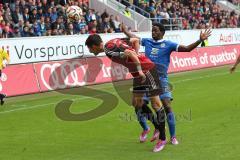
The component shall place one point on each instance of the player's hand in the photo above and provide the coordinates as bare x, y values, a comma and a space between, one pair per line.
204, 35
232, 69
143, 76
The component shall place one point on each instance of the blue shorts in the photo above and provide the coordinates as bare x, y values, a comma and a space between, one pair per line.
166, 93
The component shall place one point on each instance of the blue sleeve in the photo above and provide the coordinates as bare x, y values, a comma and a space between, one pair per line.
143, 41
173, 46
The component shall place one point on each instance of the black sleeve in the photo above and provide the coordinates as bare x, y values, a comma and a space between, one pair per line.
113, 51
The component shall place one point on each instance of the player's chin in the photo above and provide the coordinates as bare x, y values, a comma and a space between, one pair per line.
154, 37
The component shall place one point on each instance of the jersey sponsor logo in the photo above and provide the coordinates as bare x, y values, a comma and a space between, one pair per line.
162, 45
154, 51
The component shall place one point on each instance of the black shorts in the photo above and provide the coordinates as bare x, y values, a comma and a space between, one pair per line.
151, 87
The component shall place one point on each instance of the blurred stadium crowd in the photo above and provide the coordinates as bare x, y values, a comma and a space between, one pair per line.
195, 14
29, 18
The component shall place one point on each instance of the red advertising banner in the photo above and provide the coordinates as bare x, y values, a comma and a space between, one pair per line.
39, 77
18, 80
80, 72
203, 58
60, 74
102, 69
183, 61
230, 51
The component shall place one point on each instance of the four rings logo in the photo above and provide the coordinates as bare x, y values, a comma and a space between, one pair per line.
63, 75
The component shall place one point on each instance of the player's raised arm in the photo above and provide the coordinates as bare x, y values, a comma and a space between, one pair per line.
127, 33
135, 44
233, 68
203, 36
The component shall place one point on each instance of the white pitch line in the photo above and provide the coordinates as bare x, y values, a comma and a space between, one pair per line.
47, 104
201, 77
75, 99
25, 108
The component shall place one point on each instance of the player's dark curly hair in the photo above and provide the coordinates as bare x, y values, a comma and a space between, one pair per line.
160, 26
94, 39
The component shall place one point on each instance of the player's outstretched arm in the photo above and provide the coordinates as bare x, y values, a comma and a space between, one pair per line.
135, 44
233, 68
203, 36
127, 33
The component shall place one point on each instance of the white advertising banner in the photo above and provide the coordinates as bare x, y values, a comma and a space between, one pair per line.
218, 37
40, 49
37, 49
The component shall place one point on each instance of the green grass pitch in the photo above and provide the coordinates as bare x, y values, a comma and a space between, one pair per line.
206, 104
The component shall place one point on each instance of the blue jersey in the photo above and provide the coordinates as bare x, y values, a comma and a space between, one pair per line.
159, 52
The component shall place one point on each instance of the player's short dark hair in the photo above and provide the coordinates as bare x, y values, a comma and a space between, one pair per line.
160, 26
94, 39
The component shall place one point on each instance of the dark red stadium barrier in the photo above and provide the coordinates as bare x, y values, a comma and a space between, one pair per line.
203, 58
78, 72
40, 77
19, 80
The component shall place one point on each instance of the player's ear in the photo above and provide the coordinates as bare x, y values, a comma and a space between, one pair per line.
94, 47
101, 45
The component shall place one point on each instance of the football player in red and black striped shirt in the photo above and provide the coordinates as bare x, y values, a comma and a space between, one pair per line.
144, 72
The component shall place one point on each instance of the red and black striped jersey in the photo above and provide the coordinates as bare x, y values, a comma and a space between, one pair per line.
115, 48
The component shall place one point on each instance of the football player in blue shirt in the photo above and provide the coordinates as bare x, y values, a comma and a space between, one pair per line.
159, 50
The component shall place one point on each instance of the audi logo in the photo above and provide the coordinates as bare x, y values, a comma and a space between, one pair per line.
60, 76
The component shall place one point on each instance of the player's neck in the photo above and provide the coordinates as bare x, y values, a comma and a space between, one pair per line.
159, 39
